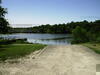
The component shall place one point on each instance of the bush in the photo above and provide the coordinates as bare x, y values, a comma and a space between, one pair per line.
79, 35
98, 39
91, 36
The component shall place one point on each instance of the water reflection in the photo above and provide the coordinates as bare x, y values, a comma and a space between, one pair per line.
53, 39
50, 41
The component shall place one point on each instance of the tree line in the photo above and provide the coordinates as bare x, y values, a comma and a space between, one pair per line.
83, 31
89, 33
67, 28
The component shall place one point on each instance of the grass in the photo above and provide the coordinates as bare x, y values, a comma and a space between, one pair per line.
94, 46
16, 50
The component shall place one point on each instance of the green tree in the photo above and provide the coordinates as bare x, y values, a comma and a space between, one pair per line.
4, 25
79, 35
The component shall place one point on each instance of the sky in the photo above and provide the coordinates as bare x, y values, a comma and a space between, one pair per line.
29, 13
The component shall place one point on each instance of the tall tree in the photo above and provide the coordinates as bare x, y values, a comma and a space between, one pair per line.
79, 35
4, 25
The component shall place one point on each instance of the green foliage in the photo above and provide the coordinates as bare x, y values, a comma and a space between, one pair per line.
79, 35
93, 27
3, 22
91, 36
98, 39
4, 25
3, 11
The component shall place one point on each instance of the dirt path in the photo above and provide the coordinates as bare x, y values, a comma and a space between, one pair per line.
55, 60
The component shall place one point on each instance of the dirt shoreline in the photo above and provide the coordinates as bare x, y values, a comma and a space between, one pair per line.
54, 60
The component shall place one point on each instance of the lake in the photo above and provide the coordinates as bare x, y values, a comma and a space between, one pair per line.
49, 39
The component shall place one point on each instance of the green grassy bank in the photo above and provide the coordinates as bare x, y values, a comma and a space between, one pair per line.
93, 46
16, 50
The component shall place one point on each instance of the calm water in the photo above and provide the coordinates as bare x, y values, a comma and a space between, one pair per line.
51, 39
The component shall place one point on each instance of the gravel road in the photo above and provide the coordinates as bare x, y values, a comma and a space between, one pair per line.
54, 60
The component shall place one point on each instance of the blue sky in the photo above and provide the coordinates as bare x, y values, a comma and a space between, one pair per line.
51, 11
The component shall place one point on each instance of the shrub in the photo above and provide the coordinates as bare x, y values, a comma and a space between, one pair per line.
98, 39
91, 36
79, 35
